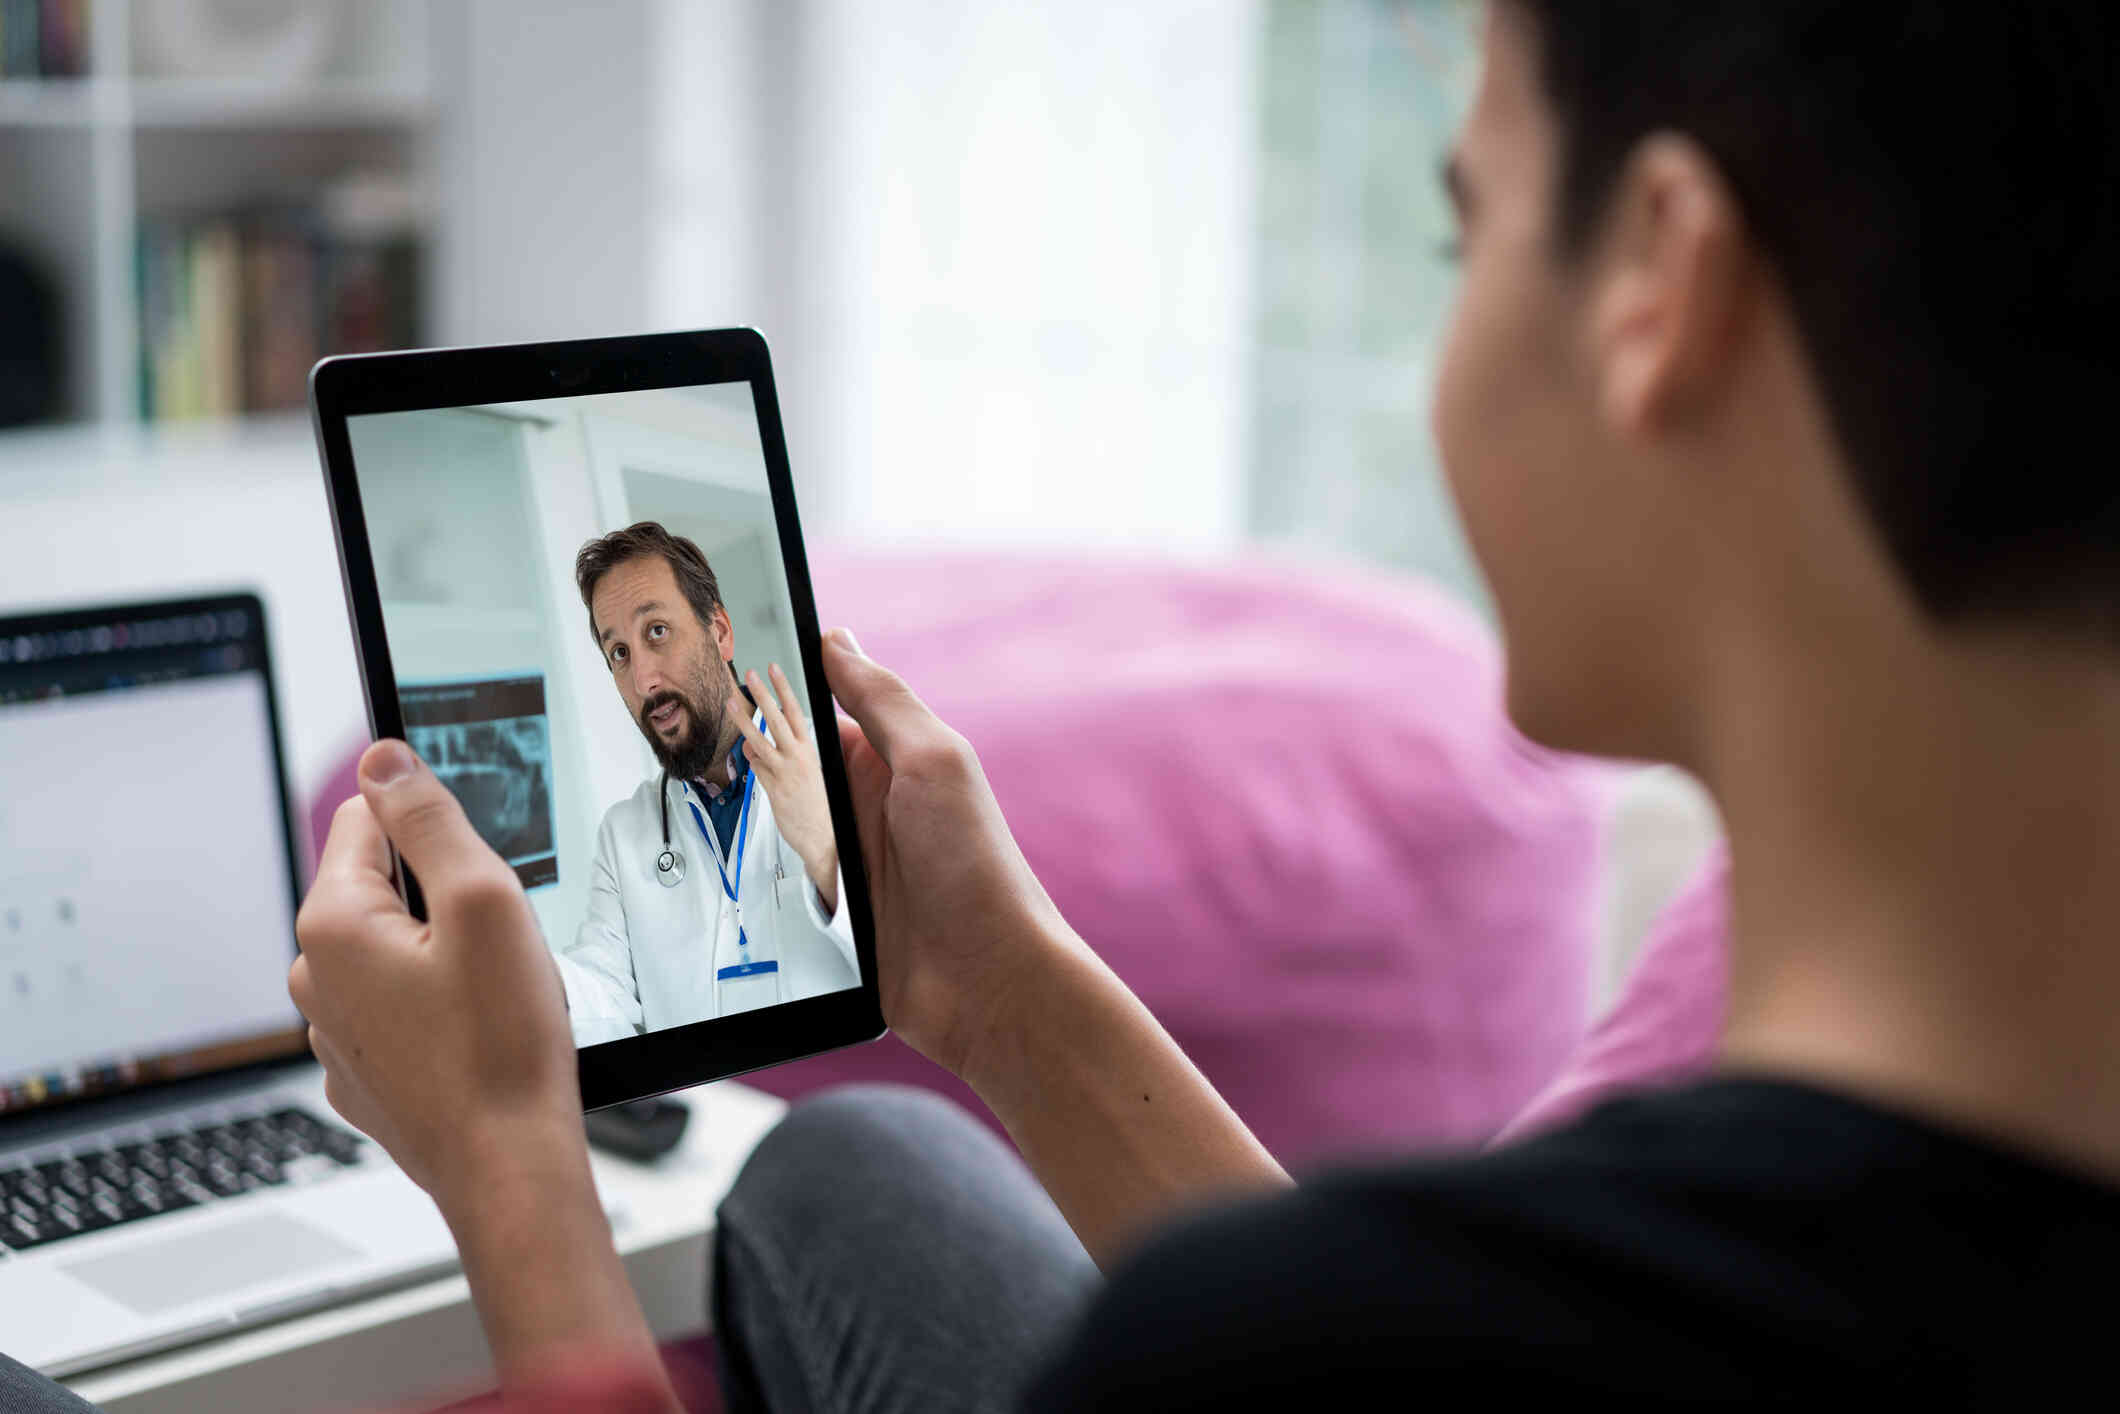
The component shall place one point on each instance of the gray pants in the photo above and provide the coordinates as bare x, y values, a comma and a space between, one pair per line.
24, 1391
880, 1251
883, 1251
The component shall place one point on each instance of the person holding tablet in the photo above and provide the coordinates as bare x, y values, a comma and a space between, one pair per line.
1765, 400
715, 886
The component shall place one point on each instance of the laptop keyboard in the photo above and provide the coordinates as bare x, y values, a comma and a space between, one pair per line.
97, 1187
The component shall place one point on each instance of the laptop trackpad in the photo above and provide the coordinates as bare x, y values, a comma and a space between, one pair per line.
161, 1276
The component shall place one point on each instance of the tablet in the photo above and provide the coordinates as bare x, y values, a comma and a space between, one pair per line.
578, 591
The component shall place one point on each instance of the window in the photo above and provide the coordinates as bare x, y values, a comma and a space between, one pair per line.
1358, 102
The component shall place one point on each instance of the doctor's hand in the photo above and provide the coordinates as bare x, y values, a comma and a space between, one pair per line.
447, 1042
963, 927
793, 776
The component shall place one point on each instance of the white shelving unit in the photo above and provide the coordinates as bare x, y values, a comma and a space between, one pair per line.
84, 161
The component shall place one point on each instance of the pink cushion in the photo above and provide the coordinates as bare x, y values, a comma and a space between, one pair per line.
1663, 1027
1284, 804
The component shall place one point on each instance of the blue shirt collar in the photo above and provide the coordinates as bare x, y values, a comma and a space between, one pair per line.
739, 767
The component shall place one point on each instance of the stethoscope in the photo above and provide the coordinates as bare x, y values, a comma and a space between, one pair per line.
670, 868
670, 865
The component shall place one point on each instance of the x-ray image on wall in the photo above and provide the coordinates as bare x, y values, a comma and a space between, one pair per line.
490, 742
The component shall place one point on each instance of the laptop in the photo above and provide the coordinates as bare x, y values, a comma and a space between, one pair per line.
169, 1169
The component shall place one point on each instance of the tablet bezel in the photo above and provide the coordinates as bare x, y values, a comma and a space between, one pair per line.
612, 1072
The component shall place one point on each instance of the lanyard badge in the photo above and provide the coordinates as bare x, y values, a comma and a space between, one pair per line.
732, 888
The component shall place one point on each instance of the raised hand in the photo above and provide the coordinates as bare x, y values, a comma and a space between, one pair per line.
792, 774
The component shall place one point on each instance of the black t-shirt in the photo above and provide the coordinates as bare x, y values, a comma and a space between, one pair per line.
1739, 1241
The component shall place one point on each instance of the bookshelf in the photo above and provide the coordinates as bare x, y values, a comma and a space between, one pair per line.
141, 145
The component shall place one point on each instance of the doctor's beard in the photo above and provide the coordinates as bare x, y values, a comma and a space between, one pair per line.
699, 749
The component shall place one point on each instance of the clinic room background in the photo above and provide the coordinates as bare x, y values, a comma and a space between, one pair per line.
475, 516
480, 521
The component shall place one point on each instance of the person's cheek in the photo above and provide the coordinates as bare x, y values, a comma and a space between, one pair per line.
1489, 424
1463, 422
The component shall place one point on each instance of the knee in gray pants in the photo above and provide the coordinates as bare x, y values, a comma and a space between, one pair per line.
882, 1250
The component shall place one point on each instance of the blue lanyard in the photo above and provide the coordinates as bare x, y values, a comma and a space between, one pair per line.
743, 834
743, 967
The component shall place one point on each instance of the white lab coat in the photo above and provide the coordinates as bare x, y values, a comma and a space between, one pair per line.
646, 956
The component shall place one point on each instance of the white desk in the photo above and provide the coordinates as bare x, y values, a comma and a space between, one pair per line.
421, 1346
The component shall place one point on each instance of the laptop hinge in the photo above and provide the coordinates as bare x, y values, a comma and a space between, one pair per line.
32, 1130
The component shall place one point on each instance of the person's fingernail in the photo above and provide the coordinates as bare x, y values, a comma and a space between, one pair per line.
390, 762
852, 642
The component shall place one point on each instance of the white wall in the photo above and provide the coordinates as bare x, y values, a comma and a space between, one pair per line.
1003, 253
1006, 262
543, 159
90, 517
713, 85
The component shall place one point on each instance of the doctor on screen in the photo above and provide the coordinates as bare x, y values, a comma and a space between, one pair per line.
715, 888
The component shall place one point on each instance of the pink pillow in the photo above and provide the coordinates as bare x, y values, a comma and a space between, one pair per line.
1664, 1026
1284, 803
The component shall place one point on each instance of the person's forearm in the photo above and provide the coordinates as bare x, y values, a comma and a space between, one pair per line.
550, 1289
1117, 1124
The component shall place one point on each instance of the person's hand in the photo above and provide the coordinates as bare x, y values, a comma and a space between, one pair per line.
980, 974
962, 925
793, 776
446, 1041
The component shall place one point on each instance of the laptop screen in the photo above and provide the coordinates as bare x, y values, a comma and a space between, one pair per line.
147, 893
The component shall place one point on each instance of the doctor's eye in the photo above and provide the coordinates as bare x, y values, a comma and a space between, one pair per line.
618, 655
658, 632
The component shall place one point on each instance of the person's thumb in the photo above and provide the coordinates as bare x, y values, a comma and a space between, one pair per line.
891, 717
423, 819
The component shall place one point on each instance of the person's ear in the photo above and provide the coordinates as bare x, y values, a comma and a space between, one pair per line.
724, 634
1671, 286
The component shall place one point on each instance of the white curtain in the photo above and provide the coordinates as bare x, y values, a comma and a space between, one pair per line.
1003, 253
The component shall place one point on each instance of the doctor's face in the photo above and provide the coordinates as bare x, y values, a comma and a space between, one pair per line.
670, 668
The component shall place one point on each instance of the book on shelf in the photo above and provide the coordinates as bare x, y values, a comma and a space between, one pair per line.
43, 39
235, 308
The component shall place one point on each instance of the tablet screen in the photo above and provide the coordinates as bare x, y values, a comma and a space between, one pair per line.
576, 594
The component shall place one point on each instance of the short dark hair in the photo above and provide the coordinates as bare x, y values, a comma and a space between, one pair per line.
695, 577
1937, 188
